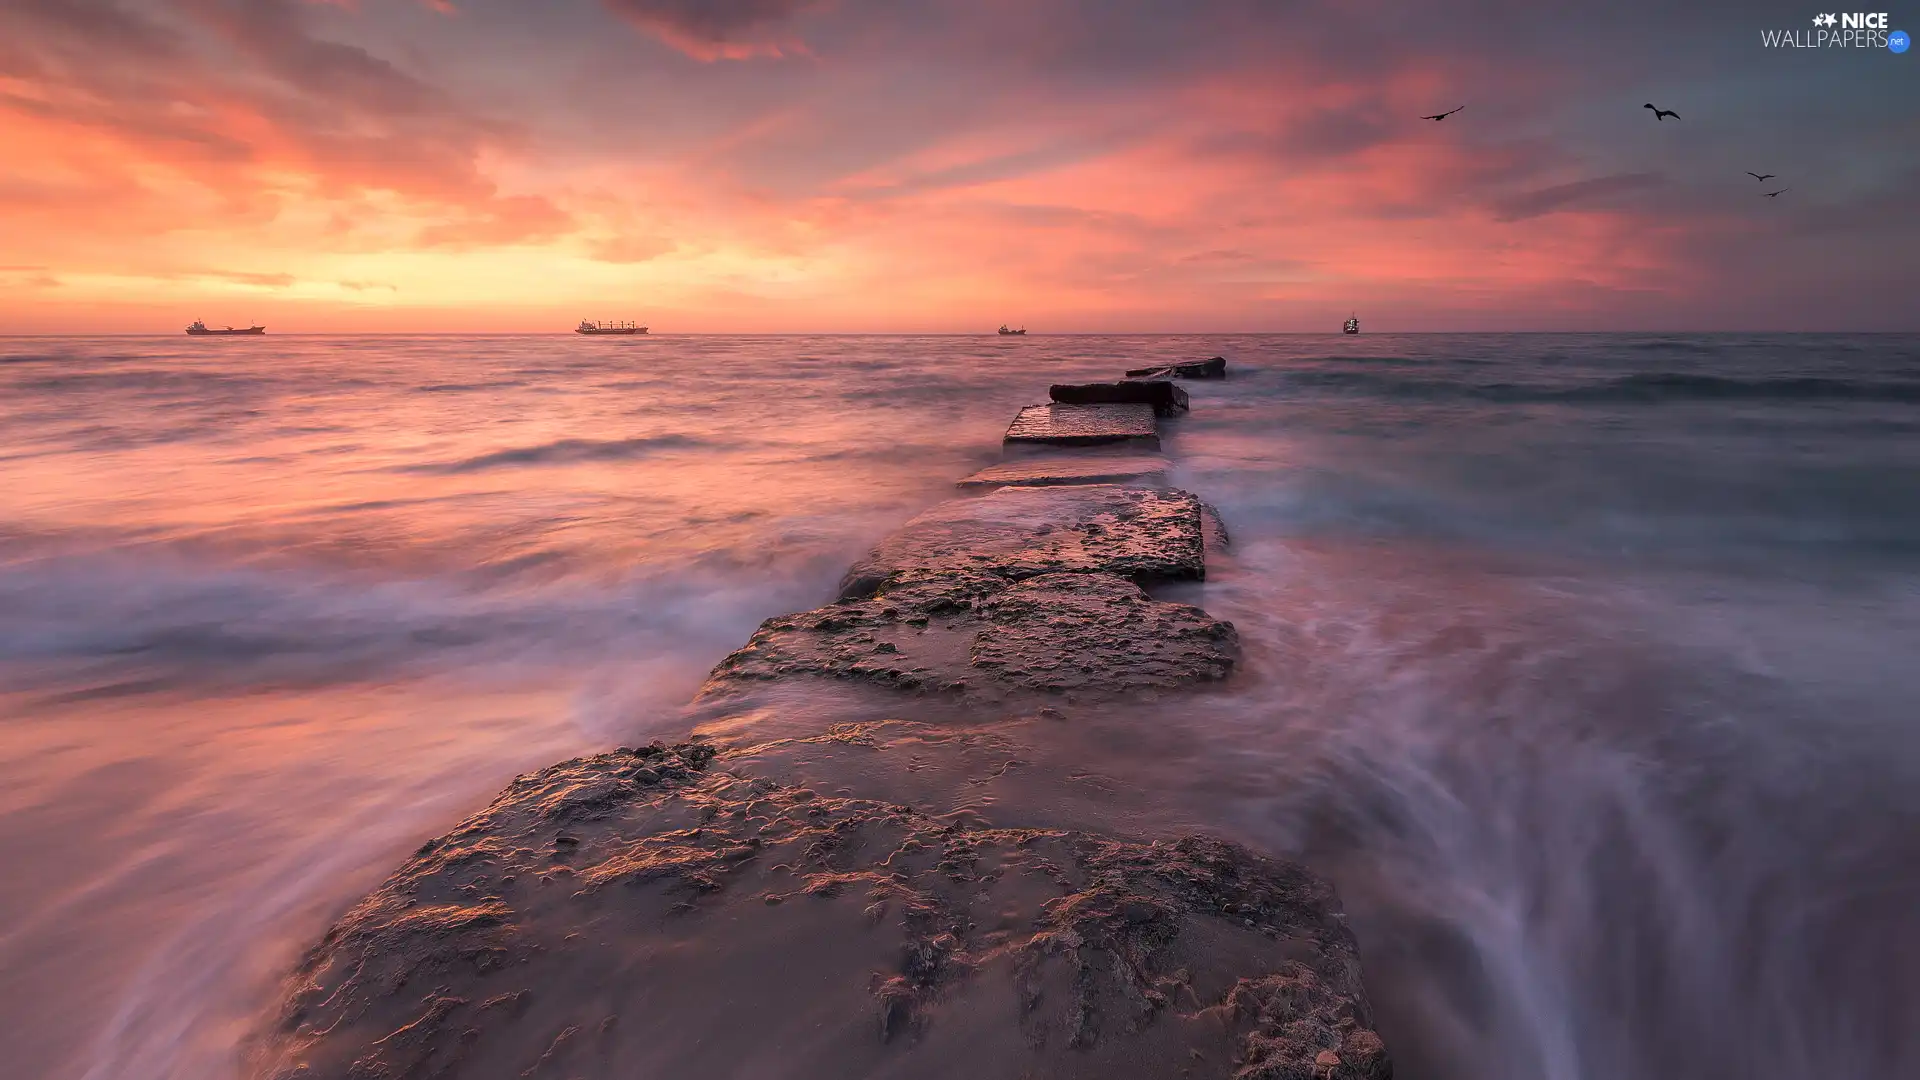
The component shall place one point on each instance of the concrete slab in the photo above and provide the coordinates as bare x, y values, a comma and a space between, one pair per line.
1096, 634
1085, 425
1164, 395
1215, 368
1088, 469
1091, 635
648, 912
1142, 534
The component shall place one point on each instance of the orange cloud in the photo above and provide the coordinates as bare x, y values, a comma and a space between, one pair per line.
1215, 167
500, 222
632, 249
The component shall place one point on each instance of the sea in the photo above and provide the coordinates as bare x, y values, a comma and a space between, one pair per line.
1586, 666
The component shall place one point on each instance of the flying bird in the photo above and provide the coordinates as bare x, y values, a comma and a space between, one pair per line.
1762, 179
1776, 194
1443, 115
1661, 114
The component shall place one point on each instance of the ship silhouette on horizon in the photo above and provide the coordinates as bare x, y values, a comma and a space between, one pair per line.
198, 328
586, 327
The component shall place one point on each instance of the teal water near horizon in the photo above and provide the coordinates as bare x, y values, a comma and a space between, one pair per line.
1582, 663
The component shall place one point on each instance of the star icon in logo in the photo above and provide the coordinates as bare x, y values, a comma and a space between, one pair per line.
1830, 20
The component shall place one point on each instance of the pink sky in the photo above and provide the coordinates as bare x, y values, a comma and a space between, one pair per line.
853, 165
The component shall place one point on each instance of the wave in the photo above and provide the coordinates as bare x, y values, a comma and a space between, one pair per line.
1644, 387
455, 388
147, 381
88, 625
1673, 345
1588, 833
562, 452
1662, 385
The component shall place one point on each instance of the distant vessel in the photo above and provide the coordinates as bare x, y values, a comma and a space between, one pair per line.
1012, 333
1352, 326
586, 327
200, 329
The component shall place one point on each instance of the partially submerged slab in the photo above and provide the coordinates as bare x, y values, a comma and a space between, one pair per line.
1215, 368
1080, 469
647, 913
1162, 394
1096, 633
1084, 425
914, 635
1085, 634
1142, 534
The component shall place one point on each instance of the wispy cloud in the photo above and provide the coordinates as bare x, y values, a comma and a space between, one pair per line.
1084, 163
243, 277
1583, 193
716, 29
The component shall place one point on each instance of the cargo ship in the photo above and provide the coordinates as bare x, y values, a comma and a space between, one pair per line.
1351, 326
1013, 333
200, 329
586, 327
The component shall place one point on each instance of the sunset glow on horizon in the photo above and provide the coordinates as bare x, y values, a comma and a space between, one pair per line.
845, 165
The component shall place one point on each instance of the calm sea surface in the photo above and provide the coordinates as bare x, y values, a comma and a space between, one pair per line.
1586, 665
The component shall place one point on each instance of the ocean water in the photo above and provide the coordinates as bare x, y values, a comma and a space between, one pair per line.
1585, 665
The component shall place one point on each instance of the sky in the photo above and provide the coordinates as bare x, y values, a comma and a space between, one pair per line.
906, 166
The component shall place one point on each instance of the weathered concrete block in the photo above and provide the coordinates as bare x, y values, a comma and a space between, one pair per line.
651, 913
1085, 425
1093, 635
1081, 469
1098, 634
1216, 368
1142, 534
1163, 395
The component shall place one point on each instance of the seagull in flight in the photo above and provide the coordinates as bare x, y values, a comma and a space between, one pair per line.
1444, 115
1762, 179
1776, 194
1661, 114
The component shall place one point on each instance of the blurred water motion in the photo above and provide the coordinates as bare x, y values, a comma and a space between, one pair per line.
1582, 663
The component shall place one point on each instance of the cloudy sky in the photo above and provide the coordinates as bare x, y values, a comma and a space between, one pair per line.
947, 165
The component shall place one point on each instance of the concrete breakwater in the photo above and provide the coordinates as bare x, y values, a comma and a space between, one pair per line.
705, 908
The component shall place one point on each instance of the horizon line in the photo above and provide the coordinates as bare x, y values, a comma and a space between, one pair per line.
929, 333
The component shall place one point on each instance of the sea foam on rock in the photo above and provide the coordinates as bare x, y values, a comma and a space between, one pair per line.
651, 913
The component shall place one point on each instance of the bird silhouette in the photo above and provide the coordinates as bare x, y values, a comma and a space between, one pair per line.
1762, 179
1775, 194
1661, 114
1444, 115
